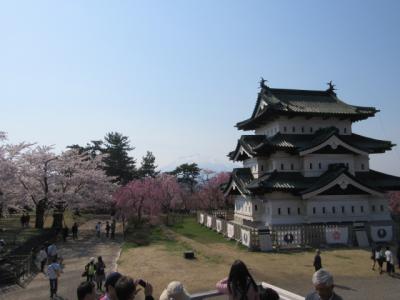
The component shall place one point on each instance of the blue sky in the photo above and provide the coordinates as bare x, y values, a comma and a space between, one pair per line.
175, 76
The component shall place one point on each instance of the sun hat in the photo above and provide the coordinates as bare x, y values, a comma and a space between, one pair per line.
92, 259
176, 291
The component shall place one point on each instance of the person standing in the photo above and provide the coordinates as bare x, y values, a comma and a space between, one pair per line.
98, 229
317, 260
373, 257
323, 285
75, 231
389, 260
100, 274
65, 233
381, 258
53, 272
108, 227
113, 229
42, 258
90, 270
398, 255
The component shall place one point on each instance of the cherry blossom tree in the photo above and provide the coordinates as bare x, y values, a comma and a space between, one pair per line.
210, 195
394, 202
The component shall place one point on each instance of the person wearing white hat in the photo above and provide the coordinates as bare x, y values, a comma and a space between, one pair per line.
175, 291
323, 285
90, 269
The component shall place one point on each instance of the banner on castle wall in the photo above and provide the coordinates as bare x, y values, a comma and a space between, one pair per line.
230, 230
381, 233
245, 235
219, 225
337, 235
209, 221
289, 237
201, 219
265, 241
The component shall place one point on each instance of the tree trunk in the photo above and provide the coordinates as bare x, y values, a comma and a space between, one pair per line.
40, 210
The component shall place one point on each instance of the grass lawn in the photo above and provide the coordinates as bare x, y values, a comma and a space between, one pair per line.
161, 261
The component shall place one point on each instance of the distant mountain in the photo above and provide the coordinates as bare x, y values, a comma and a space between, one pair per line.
204, 162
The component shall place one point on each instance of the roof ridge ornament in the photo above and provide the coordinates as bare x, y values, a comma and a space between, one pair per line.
331, 87
262, 83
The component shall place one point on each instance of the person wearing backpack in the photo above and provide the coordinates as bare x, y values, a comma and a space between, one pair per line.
90, 270
100, 274
239, 285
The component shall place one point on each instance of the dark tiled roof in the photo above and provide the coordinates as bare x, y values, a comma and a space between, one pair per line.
296, 183
242, 177
302, 102
295, 143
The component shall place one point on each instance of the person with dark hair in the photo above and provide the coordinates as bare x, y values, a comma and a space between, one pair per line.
268, 294
75, 231
100, 274
389, 261
90, 270
85, 291
53, 272
42, 257
108, 227
317, 260
111, 280
381, 258
239, 285
65, 232
125, 289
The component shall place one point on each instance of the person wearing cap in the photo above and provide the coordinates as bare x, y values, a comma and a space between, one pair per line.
317, 260
125, 289
111, 280
323, 285
176, 291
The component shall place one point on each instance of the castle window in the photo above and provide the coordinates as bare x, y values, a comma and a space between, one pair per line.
382, 208
291, 166
311, 130
302, 129
284, 129
314, 210
279, 211
288, 210
373, 207
362, 167
343, 211
282, 166
347, 164
323, 210
345, 130
293, 129
362, 208
320, 166
262, 167
352, 209
298, 211
255, 207
334, 210
310, 166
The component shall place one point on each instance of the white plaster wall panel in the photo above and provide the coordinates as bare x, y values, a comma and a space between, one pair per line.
245, 237
230, 230
359, 162
325, 160
209, 221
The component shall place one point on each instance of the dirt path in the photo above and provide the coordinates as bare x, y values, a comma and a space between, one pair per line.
76, 254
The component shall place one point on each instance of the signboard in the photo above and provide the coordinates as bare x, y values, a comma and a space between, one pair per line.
362, 239
381, 233
265, 241
201, 219
337, 235
209, 221
219, 225
231, 230
245, 235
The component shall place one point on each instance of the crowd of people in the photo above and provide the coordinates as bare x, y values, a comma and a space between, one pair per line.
383, 255
239, 285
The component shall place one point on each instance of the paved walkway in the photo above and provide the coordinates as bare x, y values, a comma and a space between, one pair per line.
76, 255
